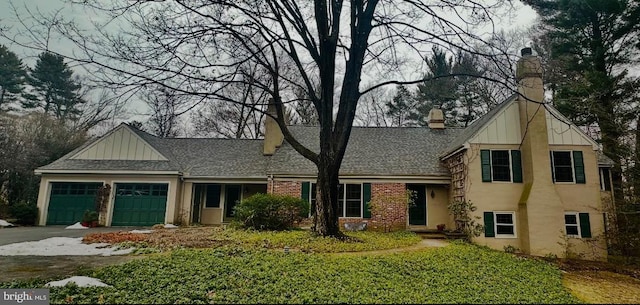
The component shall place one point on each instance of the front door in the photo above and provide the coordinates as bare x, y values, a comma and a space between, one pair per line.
418, 211
198, 192
231, 198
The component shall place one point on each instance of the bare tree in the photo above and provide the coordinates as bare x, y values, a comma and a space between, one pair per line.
241, 113
165, 108
328, 47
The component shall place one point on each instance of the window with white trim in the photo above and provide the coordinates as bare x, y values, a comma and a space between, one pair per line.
505, 224
349, 199
571, 225
562, 166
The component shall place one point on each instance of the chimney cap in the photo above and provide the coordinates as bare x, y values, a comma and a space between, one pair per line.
526, 51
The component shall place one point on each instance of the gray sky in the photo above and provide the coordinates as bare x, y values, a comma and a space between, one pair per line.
522, 17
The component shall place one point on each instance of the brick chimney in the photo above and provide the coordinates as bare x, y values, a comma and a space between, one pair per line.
273, 136
435, 119
541, 213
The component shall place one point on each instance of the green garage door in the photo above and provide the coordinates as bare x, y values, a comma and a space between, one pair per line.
139, 204
69, 200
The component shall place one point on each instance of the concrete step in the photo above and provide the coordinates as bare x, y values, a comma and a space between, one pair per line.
436, 235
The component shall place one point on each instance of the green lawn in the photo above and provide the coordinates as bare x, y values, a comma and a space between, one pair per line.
458, 273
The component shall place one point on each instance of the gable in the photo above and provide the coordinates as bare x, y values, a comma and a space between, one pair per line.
502, 128
562, 132
119, 144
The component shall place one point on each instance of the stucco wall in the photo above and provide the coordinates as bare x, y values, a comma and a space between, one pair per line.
548, 230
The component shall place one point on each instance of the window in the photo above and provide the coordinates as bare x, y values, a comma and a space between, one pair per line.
350, 199
505, 224
605, 179
500, 224
500, 168
501, 165
562, 166
567, 166
571, 224
577, 224
212, 196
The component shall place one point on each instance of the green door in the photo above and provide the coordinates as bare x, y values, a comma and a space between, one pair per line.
139, 204
69, 201
418, 212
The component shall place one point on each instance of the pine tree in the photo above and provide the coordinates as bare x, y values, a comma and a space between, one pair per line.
12, 77
595, 40
402, 108
55, 89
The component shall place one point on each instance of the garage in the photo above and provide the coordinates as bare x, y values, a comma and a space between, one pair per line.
69, 200
139, 204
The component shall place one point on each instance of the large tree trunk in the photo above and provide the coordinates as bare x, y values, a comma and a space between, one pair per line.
326, 213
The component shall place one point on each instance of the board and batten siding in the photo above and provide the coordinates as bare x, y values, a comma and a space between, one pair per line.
121, 144
503, 128
561, 133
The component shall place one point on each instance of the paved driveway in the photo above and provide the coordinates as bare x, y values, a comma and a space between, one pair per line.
12, 235
26, 267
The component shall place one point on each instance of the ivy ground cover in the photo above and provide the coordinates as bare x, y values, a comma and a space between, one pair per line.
458, 273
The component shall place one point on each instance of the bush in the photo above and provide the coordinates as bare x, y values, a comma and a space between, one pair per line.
90, 216
24, 213
270, 212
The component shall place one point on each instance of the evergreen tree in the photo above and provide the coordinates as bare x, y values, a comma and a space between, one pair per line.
401, 108
55, 89
595, 40
438, 89
12, 77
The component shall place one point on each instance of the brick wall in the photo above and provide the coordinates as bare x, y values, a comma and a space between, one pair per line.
392, 214
392, 196
291, 188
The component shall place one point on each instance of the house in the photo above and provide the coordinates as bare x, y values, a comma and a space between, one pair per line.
538, 181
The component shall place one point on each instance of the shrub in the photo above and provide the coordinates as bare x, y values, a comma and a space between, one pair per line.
24, 213
270, 212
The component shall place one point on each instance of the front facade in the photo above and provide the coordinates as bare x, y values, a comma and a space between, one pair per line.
535, 178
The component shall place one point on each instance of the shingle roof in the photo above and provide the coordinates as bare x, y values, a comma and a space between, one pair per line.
471, 130
373, 151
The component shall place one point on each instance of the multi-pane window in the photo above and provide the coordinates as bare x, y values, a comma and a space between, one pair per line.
571, 224
605, 179
562, 166
501, 165
500, 168
505, 224
349, 199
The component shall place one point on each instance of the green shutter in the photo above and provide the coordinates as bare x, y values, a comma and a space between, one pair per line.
306, 189
585, 225
516, 166
366, 199
485, 158
488, 225
578, 165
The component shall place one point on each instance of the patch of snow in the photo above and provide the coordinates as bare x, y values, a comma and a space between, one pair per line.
81, 281
141, 231
170, 226
76, 226
4, 223
58, 246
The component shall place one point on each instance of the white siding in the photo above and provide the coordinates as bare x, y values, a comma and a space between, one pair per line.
121, 144
561, 133
503, 128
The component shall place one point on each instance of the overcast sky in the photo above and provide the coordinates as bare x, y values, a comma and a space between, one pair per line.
522, 17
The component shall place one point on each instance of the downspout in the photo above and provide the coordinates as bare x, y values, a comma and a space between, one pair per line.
270, 179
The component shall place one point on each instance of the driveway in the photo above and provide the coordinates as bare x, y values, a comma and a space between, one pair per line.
10, 235
27, 267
